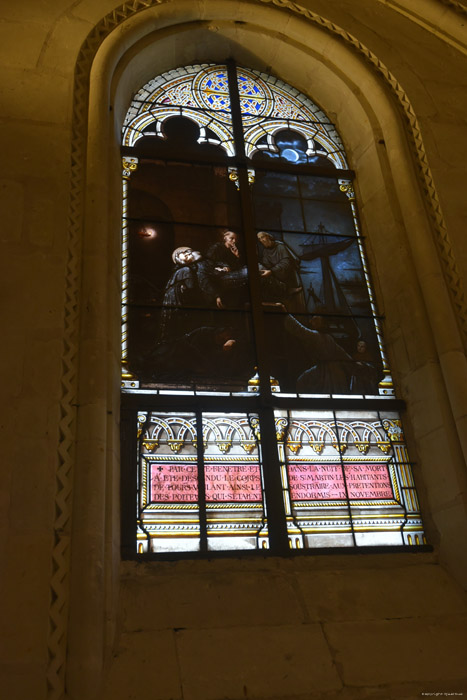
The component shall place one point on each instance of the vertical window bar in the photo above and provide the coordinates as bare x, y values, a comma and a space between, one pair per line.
289, 508
236, 110
277, 524
256, 432
404, 491
344, 479
287, 496
203, 536
143, 421
277, 527
249, 234
129, 481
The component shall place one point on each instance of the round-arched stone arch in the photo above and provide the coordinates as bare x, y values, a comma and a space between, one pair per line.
408, 250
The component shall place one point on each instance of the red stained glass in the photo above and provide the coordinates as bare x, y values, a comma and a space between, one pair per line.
321, 482
174, 483
233, 482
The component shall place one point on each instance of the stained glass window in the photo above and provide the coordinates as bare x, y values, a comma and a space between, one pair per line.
347, 480
258, 408
175, 468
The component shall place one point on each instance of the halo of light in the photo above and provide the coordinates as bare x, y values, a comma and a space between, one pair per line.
147, 232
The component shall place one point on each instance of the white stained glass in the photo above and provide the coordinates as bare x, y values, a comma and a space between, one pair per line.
201, 93
168, 489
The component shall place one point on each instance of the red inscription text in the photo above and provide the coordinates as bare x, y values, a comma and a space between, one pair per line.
322, 482
178, 483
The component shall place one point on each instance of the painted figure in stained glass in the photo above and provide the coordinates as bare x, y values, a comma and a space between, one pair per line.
188, 321
310, 263
229, 262
368, 375
332, 369
212, 352
279, 269
192, 284
195, 341
227, 254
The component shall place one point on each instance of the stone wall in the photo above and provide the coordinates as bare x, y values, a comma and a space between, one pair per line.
358, 627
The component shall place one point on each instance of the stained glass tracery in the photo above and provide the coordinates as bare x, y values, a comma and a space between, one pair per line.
201, 94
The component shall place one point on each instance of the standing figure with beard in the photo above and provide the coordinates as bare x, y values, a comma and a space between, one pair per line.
279, 270
226, 254
192, 285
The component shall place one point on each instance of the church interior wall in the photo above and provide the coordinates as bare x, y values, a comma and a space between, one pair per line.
235, 628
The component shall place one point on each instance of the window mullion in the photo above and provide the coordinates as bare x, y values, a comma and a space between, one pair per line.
129, 487
278, 539
249, 237
277, 528
201, 483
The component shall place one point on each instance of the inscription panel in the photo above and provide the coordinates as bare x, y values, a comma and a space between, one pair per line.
175, 483
322, 482
233, 482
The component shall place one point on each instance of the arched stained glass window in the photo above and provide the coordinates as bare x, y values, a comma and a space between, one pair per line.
258, 409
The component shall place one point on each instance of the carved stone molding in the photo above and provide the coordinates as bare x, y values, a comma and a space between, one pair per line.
455, 5
59, 583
